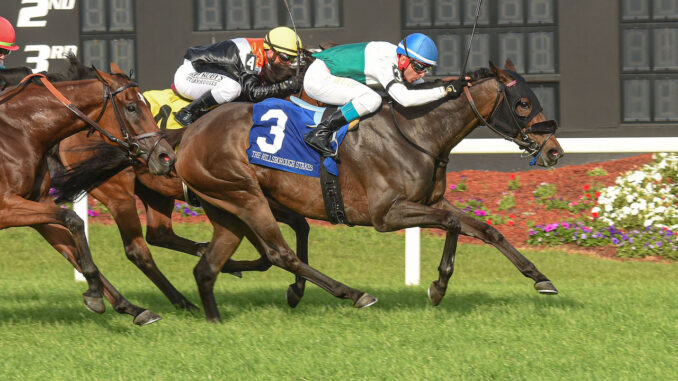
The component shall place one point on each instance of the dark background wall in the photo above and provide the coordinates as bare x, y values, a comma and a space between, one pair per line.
589, 55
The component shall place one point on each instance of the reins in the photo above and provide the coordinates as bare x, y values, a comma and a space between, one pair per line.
129, 144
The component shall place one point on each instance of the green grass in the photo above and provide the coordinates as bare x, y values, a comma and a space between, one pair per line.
612, 320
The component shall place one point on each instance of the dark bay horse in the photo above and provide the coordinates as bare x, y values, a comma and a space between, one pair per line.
386, 182
33, 119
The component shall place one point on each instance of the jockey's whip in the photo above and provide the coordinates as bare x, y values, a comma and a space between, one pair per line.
470, 41
296, 40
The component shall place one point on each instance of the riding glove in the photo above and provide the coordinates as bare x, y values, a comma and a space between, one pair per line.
253, 91
455, 87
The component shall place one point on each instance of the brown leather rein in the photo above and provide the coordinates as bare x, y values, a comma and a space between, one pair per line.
129, 144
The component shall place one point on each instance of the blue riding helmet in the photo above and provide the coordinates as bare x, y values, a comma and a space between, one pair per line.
420, 47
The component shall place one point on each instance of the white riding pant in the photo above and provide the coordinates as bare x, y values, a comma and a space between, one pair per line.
191, 84
321, 85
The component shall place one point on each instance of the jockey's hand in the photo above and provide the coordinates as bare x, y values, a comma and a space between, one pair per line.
294, 83
455, 87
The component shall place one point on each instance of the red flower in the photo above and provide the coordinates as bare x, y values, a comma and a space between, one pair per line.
588, 195
512, 215
488, 221
513, 176
597, 194
587, 187
594, 214
510, 223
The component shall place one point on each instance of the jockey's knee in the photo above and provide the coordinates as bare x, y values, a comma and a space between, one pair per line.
226, 91
367, 102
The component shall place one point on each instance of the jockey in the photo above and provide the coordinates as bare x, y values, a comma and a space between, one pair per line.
340, 76
242, 68
7, 38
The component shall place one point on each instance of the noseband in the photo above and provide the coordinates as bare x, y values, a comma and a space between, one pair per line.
519, 126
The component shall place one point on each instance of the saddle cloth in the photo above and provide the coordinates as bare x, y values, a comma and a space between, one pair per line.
167, 101
277, 138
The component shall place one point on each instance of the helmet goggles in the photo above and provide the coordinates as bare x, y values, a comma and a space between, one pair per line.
5, 52
420, 67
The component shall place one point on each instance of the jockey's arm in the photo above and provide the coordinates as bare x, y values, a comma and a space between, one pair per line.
254, 91
413, 97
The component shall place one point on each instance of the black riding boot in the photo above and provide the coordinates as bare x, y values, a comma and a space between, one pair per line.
195, 109
319, 138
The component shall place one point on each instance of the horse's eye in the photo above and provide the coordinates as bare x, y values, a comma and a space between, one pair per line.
132, 107
524, 105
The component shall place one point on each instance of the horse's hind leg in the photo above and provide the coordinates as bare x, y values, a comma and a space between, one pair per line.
121, 203
488, 234
61, 240
251, 207
18, 211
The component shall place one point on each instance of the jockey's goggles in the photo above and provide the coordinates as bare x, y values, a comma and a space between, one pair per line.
420, 67
284, 57
5, 52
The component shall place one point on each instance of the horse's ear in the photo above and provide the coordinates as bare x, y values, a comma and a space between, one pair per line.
115, 69
100, 75
500, 74
509, 65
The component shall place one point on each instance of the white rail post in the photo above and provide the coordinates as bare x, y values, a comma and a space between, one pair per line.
412, 260
80, 208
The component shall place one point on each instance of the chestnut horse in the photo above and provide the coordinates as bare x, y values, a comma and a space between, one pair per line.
34, 118
392, 176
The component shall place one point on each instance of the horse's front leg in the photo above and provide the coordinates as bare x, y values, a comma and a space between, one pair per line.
406, 214
159, 231
473, 228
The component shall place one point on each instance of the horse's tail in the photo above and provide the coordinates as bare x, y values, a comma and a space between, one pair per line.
69, 183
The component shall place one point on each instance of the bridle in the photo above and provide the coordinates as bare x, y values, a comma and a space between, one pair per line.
129, 144
517, 131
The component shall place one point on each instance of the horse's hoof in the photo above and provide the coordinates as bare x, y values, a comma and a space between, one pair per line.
94, 304
188, 306
146, 317
365, 300
435, 295
546, 287
293, 297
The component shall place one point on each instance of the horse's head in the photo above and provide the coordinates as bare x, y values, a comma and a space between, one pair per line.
274, 72
131, 123
520, 116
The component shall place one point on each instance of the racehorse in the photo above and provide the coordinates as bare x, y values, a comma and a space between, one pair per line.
392, 176
33, 118
157, 193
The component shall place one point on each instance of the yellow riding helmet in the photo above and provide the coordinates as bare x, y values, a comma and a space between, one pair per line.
282, 39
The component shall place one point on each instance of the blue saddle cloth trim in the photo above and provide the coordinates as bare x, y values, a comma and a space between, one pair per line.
318, 111
281, 146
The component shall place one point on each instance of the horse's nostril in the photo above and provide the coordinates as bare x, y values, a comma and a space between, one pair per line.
165, 158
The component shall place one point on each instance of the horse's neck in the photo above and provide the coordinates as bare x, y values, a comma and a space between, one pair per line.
446, 124
86, 95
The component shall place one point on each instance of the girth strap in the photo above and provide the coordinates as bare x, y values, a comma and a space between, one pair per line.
334, 203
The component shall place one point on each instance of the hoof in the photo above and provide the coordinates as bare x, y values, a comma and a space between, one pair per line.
435, 295
365, 300
546, 287
187, 306
146, 317
94, 304
293, 296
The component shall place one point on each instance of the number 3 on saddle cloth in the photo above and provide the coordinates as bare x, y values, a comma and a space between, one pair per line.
277, 141
277, 138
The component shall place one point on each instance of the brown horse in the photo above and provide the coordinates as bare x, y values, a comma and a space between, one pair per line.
157, 193
388, 181
33, 119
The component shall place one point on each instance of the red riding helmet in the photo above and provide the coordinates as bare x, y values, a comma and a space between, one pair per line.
7, 36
